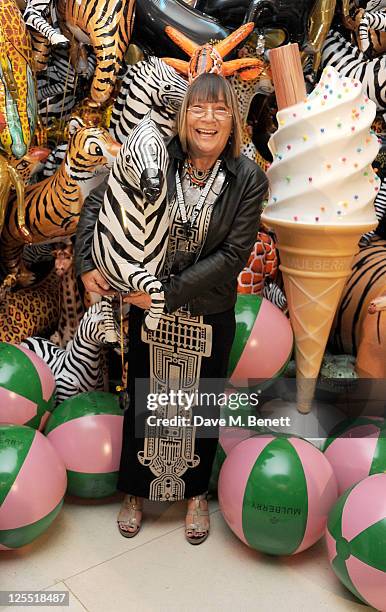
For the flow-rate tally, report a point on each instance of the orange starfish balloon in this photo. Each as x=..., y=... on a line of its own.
x=209, y=58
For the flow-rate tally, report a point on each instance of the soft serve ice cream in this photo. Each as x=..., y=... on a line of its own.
x=323, y=148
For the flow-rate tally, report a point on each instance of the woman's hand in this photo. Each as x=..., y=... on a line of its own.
x=139, y=299
x=94, y=281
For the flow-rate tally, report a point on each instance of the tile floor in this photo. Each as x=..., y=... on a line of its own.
x=157, y=571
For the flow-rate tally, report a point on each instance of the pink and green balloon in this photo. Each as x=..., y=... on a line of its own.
x=86, y=431
x=275, y=493
x=357, y=450
x=27, y=387
x=32, y=485
x=263, y=342
x=356, y=540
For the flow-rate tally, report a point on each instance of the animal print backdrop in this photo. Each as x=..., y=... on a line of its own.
x=84, y=102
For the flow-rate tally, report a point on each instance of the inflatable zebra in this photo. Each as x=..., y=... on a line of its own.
x=274, y=294
x=149, y=85
x=130, y=237
x=350, y=62
x=35, y=15
x=57, y=86
x=78, y=367
x=54, y=159
x=370, y=21
x=380, y=211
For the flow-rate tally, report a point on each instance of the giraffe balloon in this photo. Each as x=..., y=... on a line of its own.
x=18, y=103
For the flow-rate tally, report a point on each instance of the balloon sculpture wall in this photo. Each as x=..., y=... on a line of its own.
x=76, y=79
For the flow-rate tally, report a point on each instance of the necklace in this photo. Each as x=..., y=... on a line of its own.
x=204, y=194
x=197, y=178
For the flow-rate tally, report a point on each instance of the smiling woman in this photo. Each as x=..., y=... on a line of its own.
x=209, y=116
x=215, y=197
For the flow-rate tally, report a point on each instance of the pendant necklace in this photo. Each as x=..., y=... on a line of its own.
x=187, y=224
x=197, y=178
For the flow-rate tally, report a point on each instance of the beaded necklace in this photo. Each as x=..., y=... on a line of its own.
x=196, y=177
x=204, y=194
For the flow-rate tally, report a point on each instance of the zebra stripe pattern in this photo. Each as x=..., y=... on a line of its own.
x=350, y=62
x=37, y=253
x=370, y=21
x=130, y=237
x=149, y=85
x=375, y=5
x=35, y=15
x=57, y=86
x=54, y=159
x=380, y=211
x=274, y=294
x=78, y=367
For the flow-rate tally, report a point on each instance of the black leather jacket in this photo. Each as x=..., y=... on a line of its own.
x=209, y=285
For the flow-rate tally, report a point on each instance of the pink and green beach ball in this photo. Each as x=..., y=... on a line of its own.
x=356, y=450
x=27, y=387
x=356, y=540
x=86, y=431
x=263, y=342
x=228, y=438
x=275, y=493
x=32, y=485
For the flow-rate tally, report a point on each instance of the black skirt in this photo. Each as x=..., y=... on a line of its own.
x=136, y=478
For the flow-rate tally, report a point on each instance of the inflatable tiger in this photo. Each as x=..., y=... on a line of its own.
x=52, y=206
x=366, y=282
x=107, y=26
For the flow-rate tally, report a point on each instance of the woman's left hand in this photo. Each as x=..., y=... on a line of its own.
x=139, y=299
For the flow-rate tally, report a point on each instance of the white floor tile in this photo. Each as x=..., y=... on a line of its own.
x=74, y=603
x=83, y=535
x=158, y=571
x=222, y=574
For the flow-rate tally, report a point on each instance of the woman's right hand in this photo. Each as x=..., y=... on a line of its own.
x=94, y=282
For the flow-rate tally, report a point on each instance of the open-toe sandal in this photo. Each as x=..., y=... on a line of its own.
x=130, y=516
x=197, y=519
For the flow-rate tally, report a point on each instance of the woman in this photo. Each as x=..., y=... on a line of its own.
x=215, y=199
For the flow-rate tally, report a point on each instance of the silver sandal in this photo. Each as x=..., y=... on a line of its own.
x=197, y=530
x=128, y=518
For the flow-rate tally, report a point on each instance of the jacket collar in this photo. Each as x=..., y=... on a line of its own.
x=176, y=152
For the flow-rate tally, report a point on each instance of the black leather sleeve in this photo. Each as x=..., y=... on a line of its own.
x=85, y=230
x=228, y=260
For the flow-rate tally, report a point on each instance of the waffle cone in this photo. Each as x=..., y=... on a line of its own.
x=315, y=262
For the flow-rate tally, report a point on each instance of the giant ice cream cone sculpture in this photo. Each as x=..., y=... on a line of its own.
x=322, y=189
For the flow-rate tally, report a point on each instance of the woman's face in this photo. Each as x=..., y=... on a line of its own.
x=208, y=127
